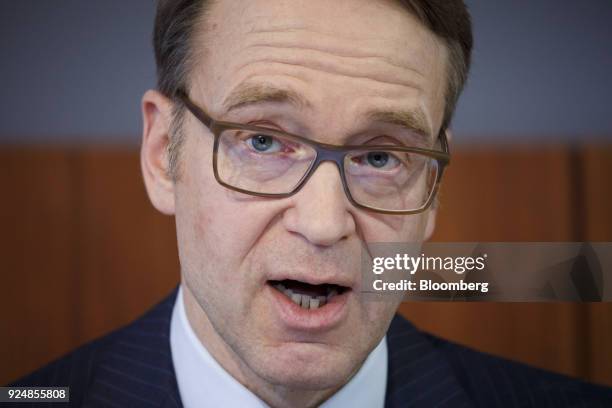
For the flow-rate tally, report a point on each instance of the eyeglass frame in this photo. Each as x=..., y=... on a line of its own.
x=324, y=152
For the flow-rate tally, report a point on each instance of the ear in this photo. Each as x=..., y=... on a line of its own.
x=156, y=118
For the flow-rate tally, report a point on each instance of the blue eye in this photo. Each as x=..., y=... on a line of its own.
x=378, y=159
x=264, y=143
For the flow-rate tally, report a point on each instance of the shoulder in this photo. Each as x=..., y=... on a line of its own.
x=494, y=381
x=144, y=340
x=73, y=370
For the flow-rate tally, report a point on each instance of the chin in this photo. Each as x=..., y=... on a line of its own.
x=307, y=366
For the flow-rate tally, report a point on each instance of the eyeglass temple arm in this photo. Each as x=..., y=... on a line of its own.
x=193, y=108
x=444, y=141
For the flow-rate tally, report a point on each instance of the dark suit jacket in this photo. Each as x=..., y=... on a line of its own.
x=132, y=367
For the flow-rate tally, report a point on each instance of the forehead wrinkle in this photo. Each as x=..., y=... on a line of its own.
x=358, y=42
x=349, y=61
x=341, y=54
x=267, y=61
x=323, y=41
x=330, y=51
x=310, y=24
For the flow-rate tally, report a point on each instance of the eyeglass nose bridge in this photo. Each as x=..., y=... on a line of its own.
x=328, y=154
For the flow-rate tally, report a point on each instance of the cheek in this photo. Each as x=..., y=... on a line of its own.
x=207, y=244
x=201, y=240
x=392, y=228
x=379, y=313
x=209, y=261
x=218, y=230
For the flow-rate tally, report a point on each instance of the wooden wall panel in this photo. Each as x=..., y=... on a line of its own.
x=127, y=250
x=83, y=251
x=596, y=163
x=518, y=193
x=597, y=219
x=598, y=352
x=36, y=252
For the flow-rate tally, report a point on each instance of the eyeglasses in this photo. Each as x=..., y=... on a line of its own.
x=264, y=162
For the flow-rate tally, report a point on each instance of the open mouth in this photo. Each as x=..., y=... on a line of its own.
x=306, y=295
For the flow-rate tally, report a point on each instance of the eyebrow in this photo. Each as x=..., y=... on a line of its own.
x=413, y=120
x=251, y=94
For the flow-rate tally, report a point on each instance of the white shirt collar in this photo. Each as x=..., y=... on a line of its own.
x=193, y=363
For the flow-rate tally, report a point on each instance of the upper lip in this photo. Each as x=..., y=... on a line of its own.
x=319, y=279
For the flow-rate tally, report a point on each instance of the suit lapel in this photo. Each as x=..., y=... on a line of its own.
x=418, y=374
x=137, y=370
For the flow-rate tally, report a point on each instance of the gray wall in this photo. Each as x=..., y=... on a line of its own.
x=74, y=70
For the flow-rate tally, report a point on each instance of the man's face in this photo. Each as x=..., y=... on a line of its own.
x=343, y=59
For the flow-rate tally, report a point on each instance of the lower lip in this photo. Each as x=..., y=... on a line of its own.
x=323, y=318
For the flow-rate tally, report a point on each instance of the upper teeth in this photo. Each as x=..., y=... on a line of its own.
x=306, y=301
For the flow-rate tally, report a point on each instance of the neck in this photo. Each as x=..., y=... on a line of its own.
x=275, y=395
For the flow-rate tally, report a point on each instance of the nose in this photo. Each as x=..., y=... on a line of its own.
x=320, y=210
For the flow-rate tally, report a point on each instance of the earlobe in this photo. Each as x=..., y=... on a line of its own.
x=156, y=117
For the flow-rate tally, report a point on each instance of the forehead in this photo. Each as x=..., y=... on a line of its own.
x=370, y=22
x=376, y=46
